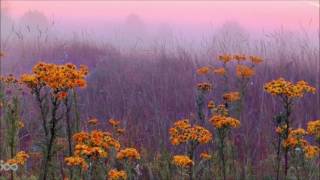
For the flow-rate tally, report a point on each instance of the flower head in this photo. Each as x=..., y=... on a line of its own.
x=231, y=96
x=220, y=71
x=281, y=87
x=114, y=174
x=182, y=161
x=20, y=158
x=239, y=57
x=203, y=70
x=128, y=153
x=244, y=71
x=255, y=59
x=224, y=122
x=182, y=132
x=225, y=58
x=76, y=161
x=311, y=151
x=204, y=87
x=295, y=139
x=313, y=128
x=59, y=78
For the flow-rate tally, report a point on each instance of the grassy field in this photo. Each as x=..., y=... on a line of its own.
x=232, y=109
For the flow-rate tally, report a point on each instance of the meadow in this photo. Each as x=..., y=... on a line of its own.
x=236, y=108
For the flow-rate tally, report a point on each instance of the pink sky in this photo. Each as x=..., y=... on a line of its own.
x=251, y=14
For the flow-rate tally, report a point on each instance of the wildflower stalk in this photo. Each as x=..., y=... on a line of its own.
x=221, y=138
x=43, y=110
x=287, y=106
x=12, y=118
x=2, y=101
x=278, y=156
x=319, y=162
x=192, y=147
x=225, y=78
x=76, y=110
x=52, y=136
x=200, y=106
x=69, y=130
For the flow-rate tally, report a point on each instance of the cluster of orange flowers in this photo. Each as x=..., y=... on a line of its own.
x=59, y=78
x=282, y=87
x=311, y=151
x=224, y=122
x=128, y=153
x=313, y=128
x=182, y=132
x=204, y=70
x=95, y=144
x=244, y=71
x=97, y=139
x=115, y=125
x=239, y=57
x=225, y=58
x=85, y=150
x=220, y=71
x=209, y=69
x=114, y=174
x=20, y=158
x=255, y=59
x=219, y=109
x=204, y=87
x=231, y=96
x=182, y=161
x=10, y=79
x=76, y=161
x=295, y=141
x=295, y=138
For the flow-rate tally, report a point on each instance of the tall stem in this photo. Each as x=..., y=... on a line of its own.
x=222, y=156
x=52, y=137
x=287, y=121
x=278, y=156
x=77, y=128
x=191, y=152
x=69, y=131
x=42, y=111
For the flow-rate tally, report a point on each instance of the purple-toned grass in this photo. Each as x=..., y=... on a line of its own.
x=149, y=90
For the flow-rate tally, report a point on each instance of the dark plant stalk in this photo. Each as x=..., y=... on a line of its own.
x=221, y=151
x=319, y=162
x=69, y=131
x=278, y=156
x=191, y=154
x=200, y=106
x=42, y=111
x=53, y=123
x=287, y=106
x=77, y=126
x=225, y=78
x=2, y=102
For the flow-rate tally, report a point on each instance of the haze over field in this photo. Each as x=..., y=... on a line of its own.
x=189, y=20
x=160, y=90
